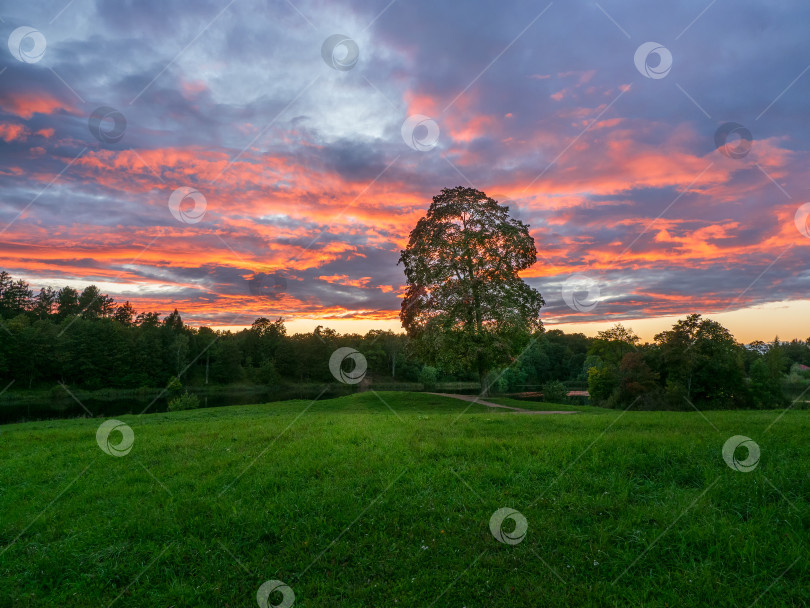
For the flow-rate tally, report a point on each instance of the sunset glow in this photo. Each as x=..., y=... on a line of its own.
x=310, y=189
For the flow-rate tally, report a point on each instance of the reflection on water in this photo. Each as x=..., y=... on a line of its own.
x=26, y=407
x=59, y=403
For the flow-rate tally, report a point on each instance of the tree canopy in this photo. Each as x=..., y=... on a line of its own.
x=466, y=304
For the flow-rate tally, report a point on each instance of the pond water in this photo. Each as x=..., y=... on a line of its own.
x=27, y=408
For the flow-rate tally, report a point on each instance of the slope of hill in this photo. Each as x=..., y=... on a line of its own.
x=395, y=499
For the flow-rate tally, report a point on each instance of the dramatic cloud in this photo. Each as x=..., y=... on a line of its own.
x=298, y=177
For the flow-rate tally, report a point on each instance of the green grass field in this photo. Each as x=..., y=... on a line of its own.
x=354, y=502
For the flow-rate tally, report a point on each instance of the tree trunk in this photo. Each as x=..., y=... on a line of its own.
x=482, y=379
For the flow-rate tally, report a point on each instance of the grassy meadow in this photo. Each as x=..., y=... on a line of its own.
x=385, y=500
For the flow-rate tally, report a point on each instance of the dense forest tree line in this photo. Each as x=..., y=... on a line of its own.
x=86, y=339
x=695, y=364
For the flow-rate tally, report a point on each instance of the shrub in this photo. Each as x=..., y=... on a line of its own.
x=765, y=389
x=496, y=381
x=266, y=374
x=635, y=378
x=174, y=387
x=555, y=392
x=602, y=382
x=512, y=379
x=428, y=376
x=184, y=402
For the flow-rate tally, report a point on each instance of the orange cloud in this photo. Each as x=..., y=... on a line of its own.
x=10, y=132
x=25, y=105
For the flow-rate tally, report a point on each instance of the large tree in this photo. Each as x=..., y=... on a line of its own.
x=466, y=307
x=703, y=363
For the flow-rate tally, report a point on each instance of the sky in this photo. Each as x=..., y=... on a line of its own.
x=237, y=159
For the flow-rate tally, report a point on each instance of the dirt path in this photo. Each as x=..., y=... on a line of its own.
x=517, y=410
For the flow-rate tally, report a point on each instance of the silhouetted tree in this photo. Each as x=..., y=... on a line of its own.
x=701, y=362
x=124, y=314
x=466, y=305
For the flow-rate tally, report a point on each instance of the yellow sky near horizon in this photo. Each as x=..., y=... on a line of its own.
x=788, y=320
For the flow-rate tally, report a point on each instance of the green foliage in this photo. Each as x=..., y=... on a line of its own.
x=592, y=361
x=266, y=373
x=466, y=306
x=511, y=379
x=636, y=379
x=174, y=387
x=602, y=382
x=613, y=344
x=186, y=401
x=703, y=364
x=87, y=342
x=428, y=376
x=766, y=387
x=555, y=392
x=554, y=355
